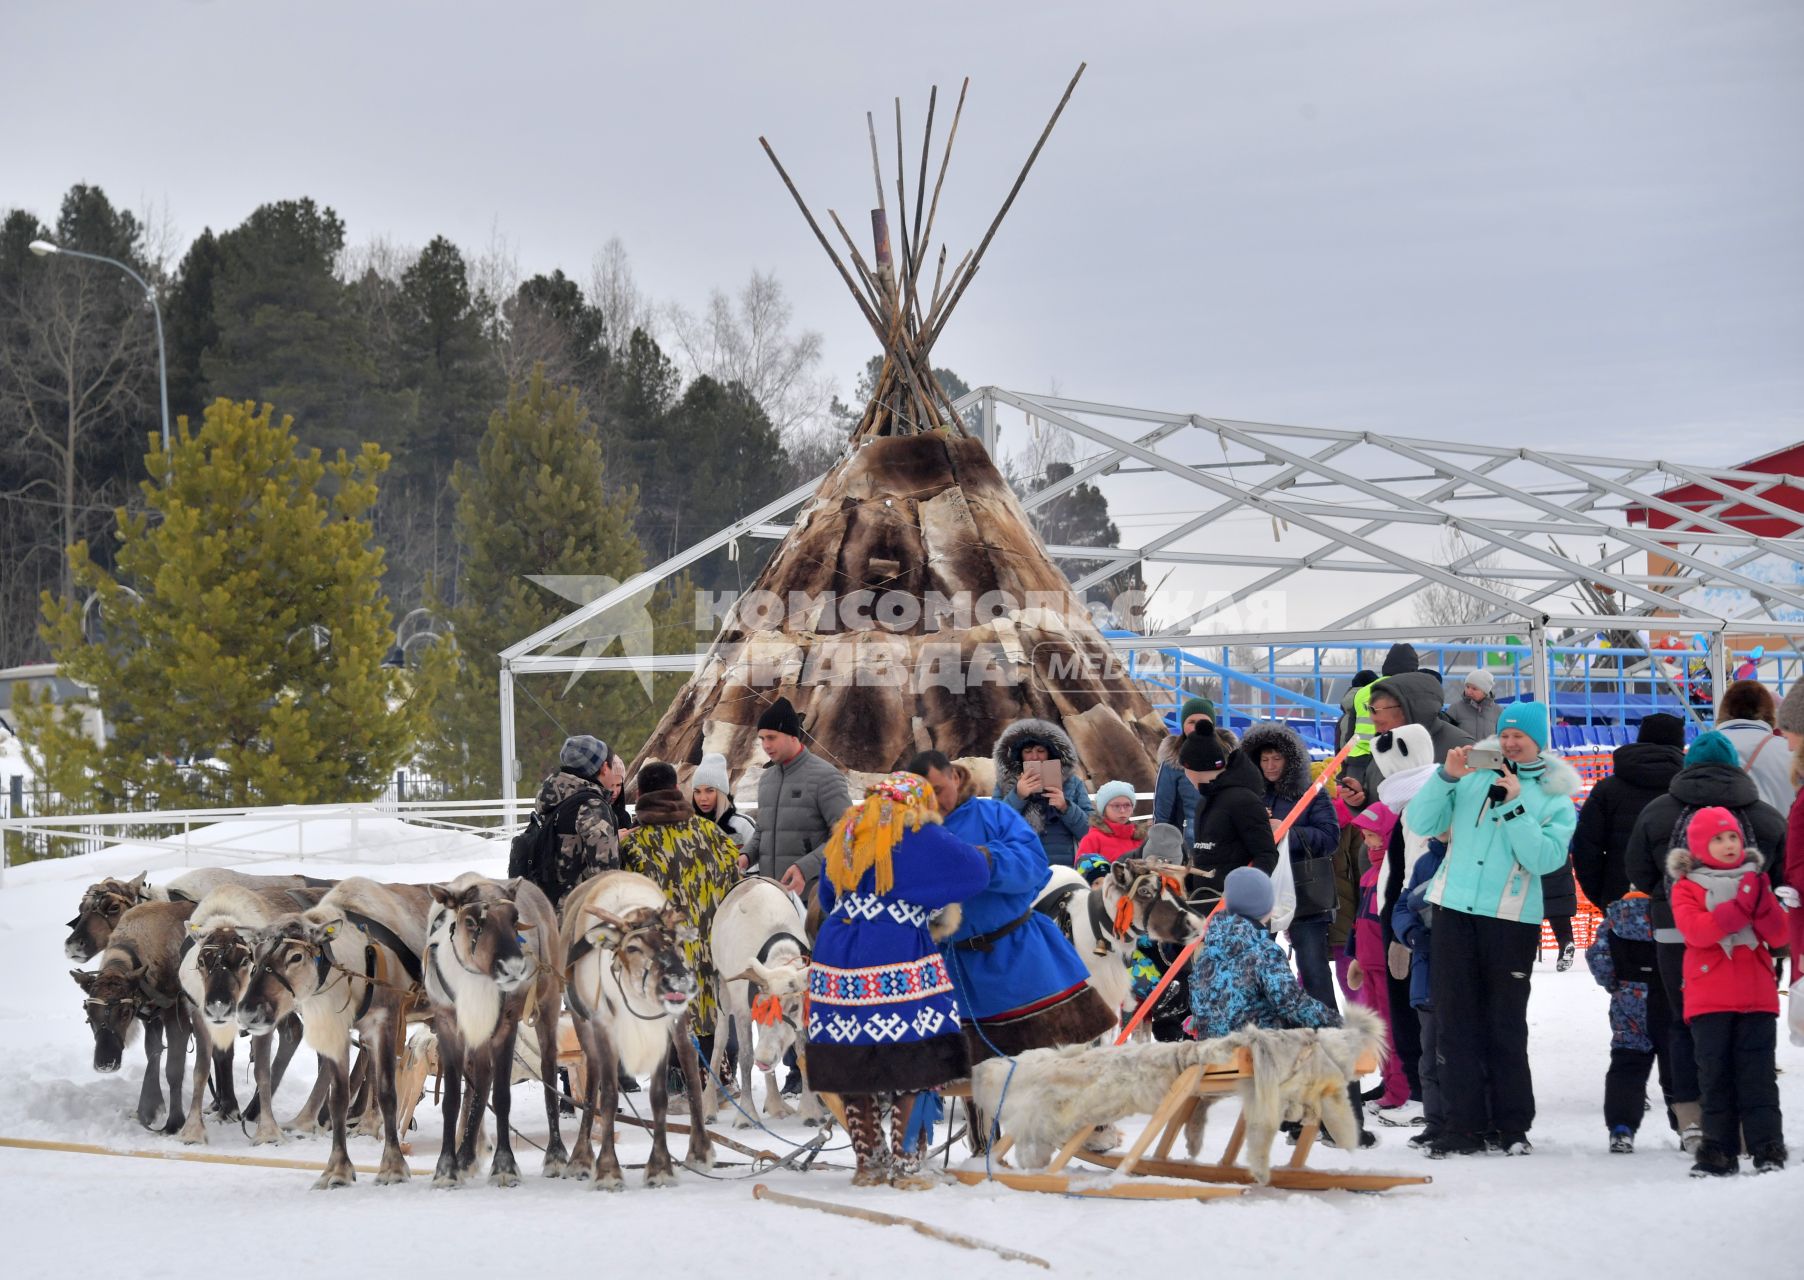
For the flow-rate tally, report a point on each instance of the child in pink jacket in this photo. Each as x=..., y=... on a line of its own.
x=1366, y=975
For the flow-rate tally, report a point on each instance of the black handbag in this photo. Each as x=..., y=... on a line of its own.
x=1313, y=878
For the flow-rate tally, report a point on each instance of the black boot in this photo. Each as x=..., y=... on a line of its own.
x=1768, y=1157
x=1715, y=1161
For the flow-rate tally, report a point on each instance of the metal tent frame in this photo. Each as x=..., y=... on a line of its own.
x=1512, y=506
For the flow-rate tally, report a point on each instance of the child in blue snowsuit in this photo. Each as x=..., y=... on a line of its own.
x=1239, y=975
x=1623, y=961
x=1412, y=922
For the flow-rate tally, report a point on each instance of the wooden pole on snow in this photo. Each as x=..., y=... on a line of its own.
x=762, y=1192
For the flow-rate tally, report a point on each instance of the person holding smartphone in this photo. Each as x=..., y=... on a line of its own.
x=1036, y=776
x=1511, y=824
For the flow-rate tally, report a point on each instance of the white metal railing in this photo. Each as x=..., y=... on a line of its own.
x=159, y=829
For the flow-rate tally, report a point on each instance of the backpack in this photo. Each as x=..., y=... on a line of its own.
x=533, y=855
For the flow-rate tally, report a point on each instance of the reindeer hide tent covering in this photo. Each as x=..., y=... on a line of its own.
x=913, y=520
x=912, y=606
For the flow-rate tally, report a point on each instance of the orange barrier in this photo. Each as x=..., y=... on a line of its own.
x=1593, y=768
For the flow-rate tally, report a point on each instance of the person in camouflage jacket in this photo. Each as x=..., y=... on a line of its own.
x=694, y=861
x=575, y=797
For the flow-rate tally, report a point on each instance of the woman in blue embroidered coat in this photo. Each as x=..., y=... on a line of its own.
x=883, y=1019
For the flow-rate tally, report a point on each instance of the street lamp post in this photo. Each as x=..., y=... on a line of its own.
x=44, y=249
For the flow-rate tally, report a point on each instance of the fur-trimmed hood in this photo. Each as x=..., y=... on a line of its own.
x=663, y=808
x=1557, y=779
x=1295, y=780
x=1681, y=863
x=1012, y=740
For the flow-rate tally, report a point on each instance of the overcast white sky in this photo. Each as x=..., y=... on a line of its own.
x=1574, y=223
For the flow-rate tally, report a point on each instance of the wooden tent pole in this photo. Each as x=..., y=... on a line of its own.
x=870, y=123
x=820, y=235
x=1013, y=191
x=920, y=245
x=945, y=159
x=911, y=313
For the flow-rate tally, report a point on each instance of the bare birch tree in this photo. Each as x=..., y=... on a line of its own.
x=748, y=340
x=71, y=380
x=1438, y=605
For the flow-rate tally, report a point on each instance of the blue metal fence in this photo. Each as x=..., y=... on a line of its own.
x=1595, y=705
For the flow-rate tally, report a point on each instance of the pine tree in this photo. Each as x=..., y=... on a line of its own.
x=447, y=362
x=246, y=621
x=286, y=332
x=537, y=504
x=188, y=315
x=1079, y=517
x=712, y=457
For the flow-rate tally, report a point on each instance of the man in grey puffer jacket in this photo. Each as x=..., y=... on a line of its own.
x=800, y=797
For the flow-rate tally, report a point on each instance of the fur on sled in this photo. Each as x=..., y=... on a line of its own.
x=1298, y=1076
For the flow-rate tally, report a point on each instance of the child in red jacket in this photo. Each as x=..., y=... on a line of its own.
x=1724, y=905
x=1112, y=831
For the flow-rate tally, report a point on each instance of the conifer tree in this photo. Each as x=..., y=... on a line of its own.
x=537, y=505
x=245, y=621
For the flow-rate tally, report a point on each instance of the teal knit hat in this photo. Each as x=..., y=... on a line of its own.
x=1712, y=747
x=1526, y=717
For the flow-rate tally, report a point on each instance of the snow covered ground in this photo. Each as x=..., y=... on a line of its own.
x=1571, y=1208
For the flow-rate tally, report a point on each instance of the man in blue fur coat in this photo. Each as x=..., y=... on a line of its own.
x=1016, y=975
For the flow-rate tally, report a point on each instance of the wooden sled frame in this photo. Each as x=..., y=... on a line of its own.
x=1180, y=1103
x=1150, y=1154
x=1056, y=1181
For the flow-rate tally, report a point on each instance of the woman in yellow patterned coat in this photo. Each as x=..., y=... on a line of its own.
x=693, y=861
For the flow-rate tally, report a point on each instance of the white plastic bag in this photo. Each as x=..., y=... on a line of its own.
x=1284, y=900
x=1794, y=1014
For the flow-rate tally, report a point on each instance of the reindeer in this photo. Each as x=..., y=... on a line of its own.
x=1106, y=920
x=106, y=900
x=349, y=964
x=490, y=960
x=97, y=915
x=215, y=969
x=758, y=938
x=136, y=982
x=628, y=989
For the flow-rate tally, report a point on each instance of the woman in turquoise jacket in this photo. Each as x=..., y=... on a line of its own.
x=1504, y=831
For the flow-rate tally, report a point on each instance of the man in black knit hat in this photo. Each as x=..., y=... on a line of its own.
x=800, y=797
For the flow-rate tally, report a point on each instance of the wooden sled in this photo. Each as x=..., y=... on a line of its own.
x=1150, y=1154
x=1167, y=1126
x=1054, y=1179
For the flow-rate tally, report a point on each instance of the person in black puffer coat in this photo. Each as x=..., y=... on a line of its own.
x=1712, y=776
x=1231, y=828
x=1641, y=771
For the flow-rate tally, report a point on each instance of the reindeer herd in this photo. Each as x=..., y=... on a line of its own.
x=217, y=955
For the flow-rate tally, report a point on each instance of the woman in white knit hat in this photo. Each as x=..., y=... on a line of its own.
x=712, y=795
x=1475, y=710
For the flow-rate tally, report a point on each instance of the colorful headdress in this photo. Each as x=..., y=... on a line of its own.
x=865, y=836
